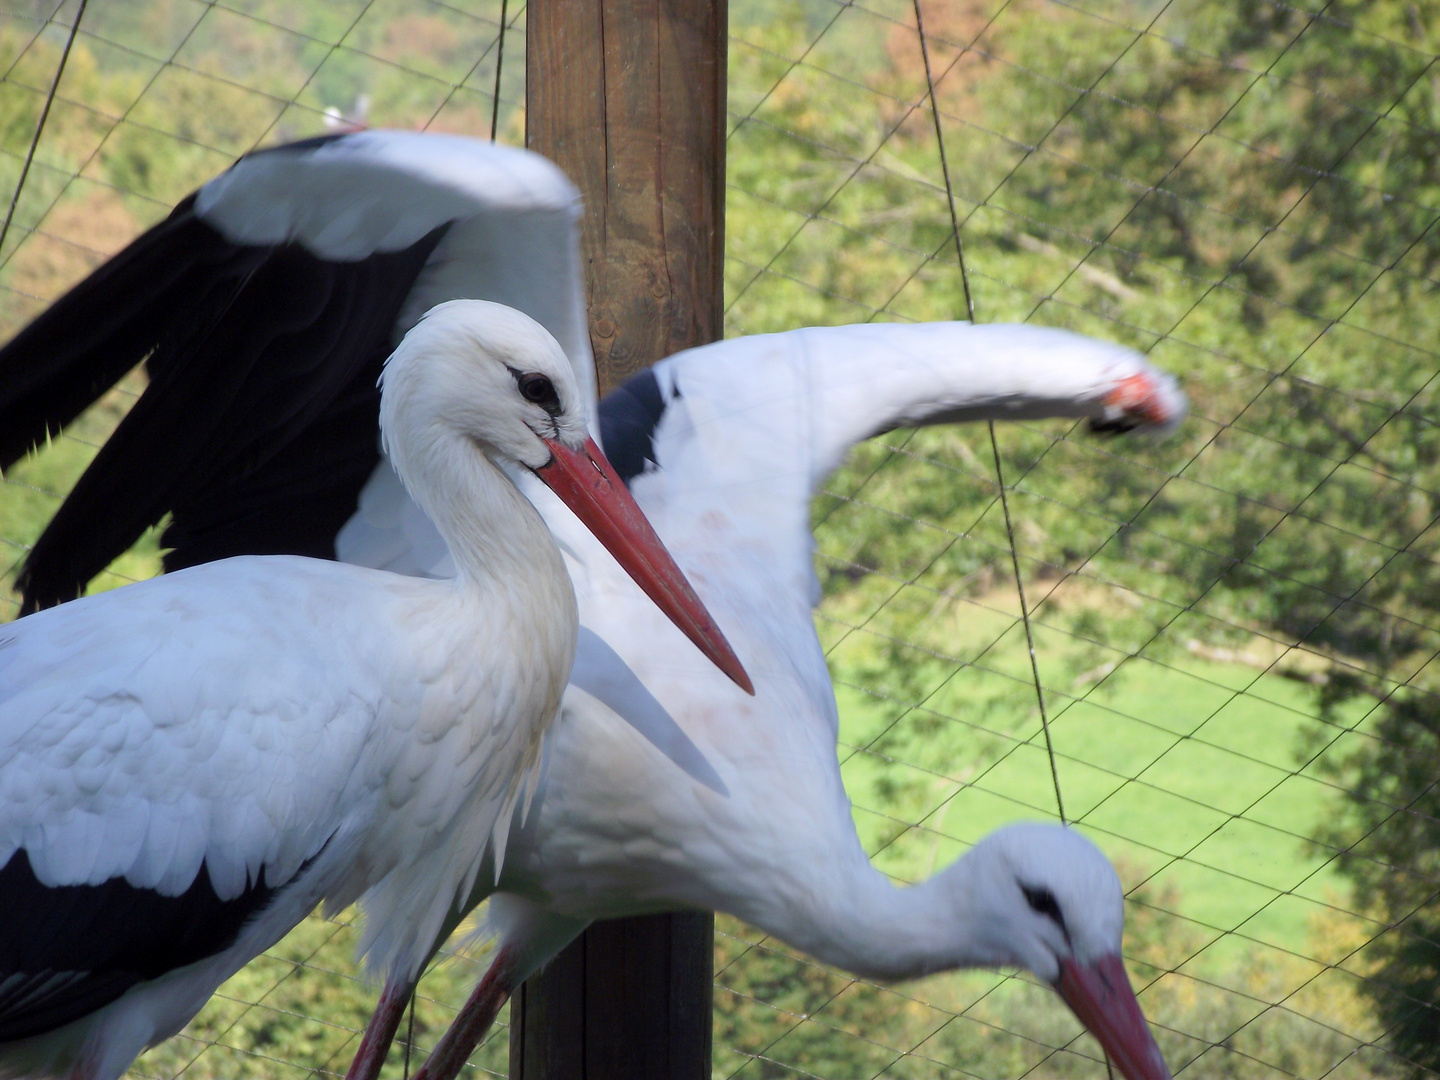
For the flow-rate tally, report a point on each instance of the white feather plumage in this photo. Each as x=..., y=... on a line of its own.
x=265, y=713
x=756, y=821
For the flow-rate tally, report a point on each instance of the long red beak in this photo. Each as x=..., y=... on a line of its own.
x=1099, y=994
x=590, y=487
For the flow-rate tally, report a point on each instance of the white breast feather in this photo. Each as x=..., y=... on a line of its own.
x=245, y=711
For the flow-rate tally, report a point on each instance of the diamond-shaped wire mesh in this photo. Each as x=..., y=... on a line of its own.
x=1235, y=629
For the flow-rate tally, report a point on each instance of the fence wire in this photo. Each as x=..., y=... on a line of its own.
x=1236, y=630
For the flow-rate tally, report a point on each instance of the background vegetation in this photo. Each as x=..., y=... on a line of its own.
x=1236, y=628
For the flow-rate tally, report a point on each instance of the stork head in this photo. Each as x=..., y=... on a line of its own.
x=488, y=373
x=1049, y=900
x=477, y=374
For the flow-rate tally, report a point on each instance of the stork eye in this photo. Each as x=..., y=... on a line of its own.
x=539, y=390
x=1042, y=901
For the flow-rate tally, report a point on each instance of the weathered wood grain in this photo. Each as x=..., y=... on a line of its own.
x=628, y=96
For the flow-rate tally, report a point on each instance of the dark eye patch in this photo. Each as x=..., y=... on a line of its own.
x=538, y=390
x=1042, y=901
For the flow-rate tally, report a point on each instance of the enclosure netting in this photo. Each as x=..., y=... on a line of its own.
x=1235, y=628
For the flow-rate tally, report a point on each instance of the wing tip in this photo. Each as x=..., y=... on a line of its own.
x=1149, y=400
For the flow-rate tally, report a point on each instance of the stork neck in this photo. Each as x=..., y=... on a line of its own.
x=493, y=532
x=862, y=922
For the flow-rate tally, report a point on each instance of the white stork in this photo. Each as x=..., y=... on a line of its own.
x=190, y=764
x=741, y=432
x=723, y=447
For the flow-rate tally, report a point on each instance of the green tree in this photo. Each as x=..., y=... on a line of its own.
x=1391, y=850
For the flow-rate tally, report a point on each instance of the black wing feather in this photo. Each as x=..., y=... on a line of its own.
x=297, y=501
x=81, y=346
x=68, y=950
x=252, y=353
x=629, y=415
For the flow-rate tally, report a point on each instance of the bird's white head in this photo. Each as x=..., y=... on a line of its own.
x=487, y=373
x=1047, y=894
x=1047, y=899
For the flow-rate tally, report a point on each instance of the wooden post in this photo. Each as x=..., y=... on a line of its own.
x=628, y=97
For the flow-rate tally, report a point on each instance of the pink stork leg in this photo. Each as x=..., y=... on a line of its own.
x=473, y=1020
x=380, y=1031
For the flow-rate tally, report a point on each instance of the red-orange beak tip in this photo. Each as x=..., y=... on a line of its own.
x=588, y=484
x=1099, y=994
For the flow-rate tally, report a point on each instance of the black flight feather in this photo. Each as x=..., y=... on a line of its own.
x=80, y=347
x=68, y=950
x=629, y=415
x=252, y=347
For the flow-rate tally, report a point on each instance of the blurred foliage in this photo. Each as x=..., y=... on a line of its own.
x=1185, y=181
x=1395, y=862
x=1245, y=190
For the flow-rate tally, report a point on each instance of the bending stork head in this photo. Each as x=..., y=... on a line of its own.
x=1047, y=899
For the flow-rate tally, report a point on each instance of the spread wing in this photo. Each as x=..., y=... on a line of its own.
x=749, y=428
x=265, y=306
x=724, y=445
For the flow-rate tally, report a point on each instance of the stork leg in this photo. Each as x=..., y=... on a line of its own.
x=530, y=937
x=473, y=1020
x=380, y=1031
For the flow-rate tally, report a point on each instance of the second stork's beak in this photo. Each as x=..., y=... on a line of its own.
x=587, y=484
x=1099, y=994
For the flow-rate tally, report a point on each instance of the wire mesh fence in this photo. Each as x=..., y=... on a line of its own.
x=1235, y=629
